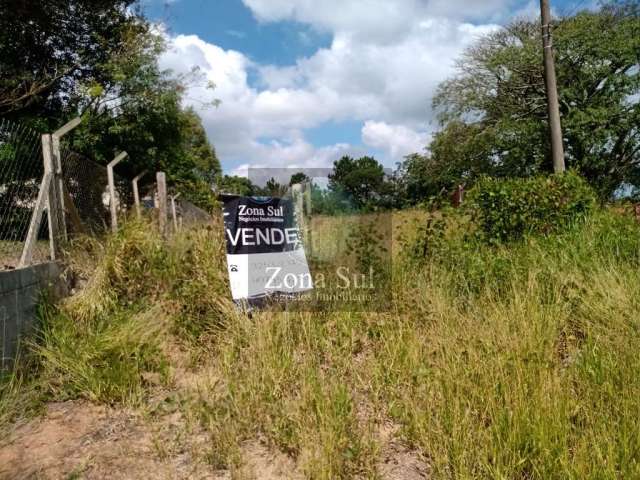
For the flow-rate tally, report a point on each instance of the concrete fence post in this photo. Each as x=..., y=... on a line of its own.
x=307, y=213
x=297, y=190
x=58, y=186
x=53, y=204
x=162, y=202
x=136, y=193
x=58, y=183
x=112, y=190
x=36, y=217
x=173, y=211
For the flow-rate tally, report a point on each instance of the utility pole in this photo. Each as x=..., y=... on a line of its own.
x=557, y=150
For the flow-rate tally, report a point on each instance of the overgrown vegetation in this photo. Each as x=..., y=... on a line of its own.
x=143, y=294
x=508, y=360
x=519, y=350
x=508, y=209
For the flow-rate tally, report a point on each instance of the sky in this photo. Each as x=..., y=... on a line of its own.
x=303, y=82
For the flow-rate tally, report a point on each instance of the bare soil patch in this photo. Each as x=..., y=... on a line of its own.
x=397, y=461
x=80, y=440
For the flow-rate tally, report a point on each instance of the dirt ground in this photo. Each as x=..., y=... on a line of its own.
x=75, y=439
x=80, y=440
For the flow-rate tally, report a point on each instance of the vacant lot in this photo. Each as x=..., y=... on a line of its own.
x=512, y=361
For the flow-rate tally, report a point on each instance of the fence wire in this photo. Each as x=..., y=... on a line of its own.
x=189, y=214
x=83, y=207
x=21, y=171
x=85, y=182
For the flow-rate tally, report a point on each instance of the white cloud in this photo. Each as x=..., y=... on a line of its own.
x=372, y=20
x=397, y=140
x=382, y=69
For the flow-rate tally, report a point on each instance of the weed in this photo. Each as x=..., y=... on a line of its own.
x=514, y=360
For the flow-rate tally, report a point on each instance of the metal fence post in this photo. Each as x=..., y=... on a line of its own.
x=136, y=194
x=112, y=190
x=162, y=202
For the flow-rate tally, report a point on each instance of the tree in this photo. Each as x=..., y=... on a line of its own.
x=236, y=185
x=99, y=59
x=50, y=48
x=195, y=143
x=299, y=177
x=329, y=202
x=493, y=112
x=415, y=179
x=362, y=180
x=273, y=189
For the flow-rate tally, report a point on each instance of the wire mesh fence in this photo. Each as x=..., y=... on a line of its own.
x=71, y=196
x=21, y=171
x=86, y=194
x=189, y=214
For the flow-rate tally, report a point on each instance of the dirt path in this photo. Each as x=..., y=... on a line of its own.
x=78, y=440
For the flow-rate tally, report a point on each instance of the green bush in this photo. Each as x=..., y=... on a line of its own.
x=509, y=209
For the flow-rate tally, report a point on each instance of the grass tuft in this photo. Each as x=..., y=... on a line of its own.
x=512, y=361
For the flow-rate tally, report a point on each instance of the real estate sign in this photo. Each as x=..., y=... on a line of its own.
x=265, y=254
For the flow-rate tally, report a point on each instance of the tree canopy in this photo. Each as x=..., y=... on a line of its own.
x=362, y=180
x=51, y=49
x=493, y=111
x=99, y=59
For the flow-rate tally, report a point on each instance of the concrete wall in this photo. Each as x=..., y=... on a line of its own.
x=20, y=292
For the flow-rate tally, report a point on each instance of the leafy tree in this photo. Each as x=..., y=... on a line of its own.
x=233, y=184
x=273, y=189
x=99, y=59
x=202, y=154
x=299, y=177
x=329, y=202
x=494, y=116
x=415, y=179
x=51, y=49
x=362, y=180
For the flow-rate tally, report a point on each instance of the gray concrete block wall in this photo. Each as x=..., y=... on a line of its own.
x=20, y=292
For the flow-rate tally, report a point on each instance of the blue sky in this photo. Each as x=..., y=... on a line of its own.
x=231, y=25
x=303, y=82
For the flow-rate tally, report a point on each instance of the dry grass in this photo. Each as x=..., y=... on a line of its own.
x=494, y=362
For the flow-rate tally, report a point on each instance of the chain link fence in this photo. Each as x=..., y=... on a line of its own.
x=78, y=188
x=21, y=172
x=86, y=194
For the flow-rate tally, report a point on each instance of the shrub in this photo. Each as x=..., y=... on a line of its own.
x=509, y=209
x=110, y=340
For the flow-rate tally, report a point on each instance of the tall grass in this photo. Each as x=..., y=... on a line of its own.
x=512, y=361
x=143, y=295
x=517, y=361
x=521, y=363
